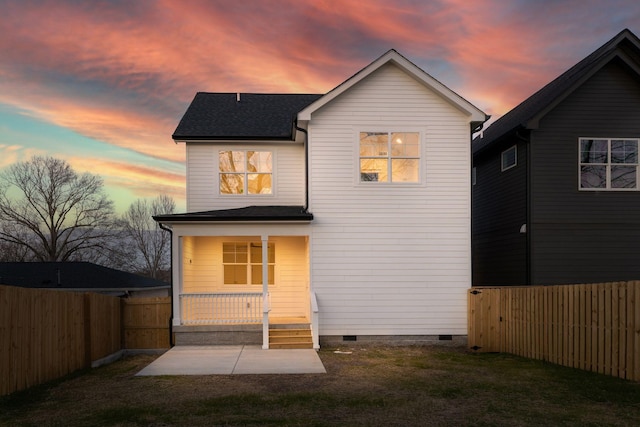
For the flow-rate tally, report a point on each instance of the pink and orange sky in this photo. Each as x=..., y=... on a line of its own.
x=103, y=84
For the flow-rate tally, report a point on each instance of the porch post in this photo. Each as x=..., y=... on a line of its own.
x=176, y=272
x=265, y=292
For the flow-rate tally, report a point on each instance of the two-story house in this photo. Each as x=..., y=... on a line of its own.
x=556, y=195
x=348, y=212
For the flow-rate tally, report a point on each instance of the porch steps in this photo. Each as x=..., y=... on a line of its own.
x=290, y=336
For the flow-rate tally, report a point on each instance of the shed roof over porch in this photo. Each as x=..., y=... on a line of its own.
x=249, y=213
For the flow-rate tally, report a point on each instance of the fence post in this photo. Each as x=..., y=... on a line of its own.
x=87, y=330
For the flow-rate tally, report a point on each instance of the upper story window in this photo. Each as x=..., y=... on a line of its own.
x=389, y=157
x=245, y=172
x=608, y=164
x=509, y=158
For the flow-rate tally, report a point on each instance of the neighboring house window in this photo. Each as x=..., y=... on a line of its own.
x=245, y=172
x=509, y=158
x=389, y=157
x=608, y=164
x=242, y=263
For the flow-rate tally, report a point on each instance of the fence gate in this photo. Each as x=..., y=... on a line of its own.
x=484, y=319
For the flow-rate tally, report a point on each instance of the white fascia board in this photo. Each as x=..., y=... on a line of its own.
x=392, y=56
x=276, y=141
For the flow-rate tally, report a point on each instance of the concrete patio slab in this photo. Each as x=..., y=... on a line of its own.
x=228, y=360
x=255, y=360
x=195, y=360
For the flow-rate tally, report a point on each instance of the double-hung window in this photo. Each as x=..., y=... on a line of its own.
x=509, y=158
x=608, y=164
x=245, y=172
x=242, y=263
x=390, y=157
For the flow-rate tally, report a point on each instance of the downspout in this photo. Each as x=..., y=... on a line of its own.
x=527, y=141
x=306, y=165
x=478, y=127
x=171, y=344
x=314, y=304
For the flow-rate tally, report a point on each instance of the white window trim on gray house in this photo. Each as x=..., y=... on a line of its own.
x=608, y=164
x=508, y=160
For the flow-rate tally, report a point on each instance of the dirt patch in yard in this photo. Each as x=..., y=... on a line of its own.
x=363, y=386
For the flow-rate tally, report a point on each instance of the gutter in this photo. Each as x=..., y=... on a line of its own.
x=162, y=226
x=306, y=165
x=479, y=125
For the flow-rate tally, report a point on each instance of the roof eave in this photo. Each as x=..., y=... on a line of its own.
x=497, y=140
x=258, y=138
x=222, y=221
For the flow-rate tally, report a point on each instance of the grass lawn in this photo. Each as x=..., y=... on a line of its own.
x=372, y=386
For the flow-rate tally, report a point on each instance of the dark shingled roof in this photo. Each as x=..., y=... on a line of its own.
x=73, y=275
x=519, y=116
x=213, y=116
x=250, y=213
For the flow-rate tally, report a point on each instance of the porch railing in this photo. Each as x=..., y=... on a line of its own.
x=221, y=308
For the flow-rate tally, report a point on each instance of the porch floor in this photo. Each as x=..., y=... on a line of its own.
x=233, y=359
x=287, y=320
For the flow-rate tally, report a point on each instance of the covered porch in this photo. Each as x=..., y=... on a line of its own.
x=239, y=283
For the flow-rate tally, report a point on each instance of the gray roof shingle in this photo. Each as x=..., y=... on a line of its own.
x=73, y=275
x=216, y=116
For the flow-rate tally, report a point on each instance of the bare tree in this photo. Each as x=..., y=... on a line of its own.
x=52, y=212
x=12, y=252
x=150, y=244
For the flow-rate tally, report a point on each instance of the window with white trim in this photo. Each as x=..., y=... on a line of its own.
x=242, y=263
x=389, y=157
x=244, y=172
x=509, y=158
x=608, y=164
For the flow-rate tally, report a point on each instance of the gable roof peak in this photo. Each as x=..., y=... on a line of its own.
x=395, y=57
x=528, y=112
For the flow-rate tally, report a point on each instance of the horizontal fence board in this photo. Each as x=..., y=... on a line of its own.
x=594, y=327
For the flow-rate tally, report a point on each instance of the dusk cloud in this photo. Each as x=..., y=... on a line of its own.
x=123, y=72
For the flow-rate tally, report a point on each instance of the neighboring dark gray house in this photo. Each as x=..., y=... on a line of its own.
x=556, y=198
x=80, y=277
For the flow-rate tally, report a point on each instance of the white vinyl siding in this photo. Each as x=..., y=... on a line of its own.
x=390, y=260
x=203, y=177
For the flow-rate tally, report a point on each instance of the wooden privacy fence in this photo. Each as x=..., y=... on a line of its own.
x=592, y=327
x=46, y=334
x=145, y=323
